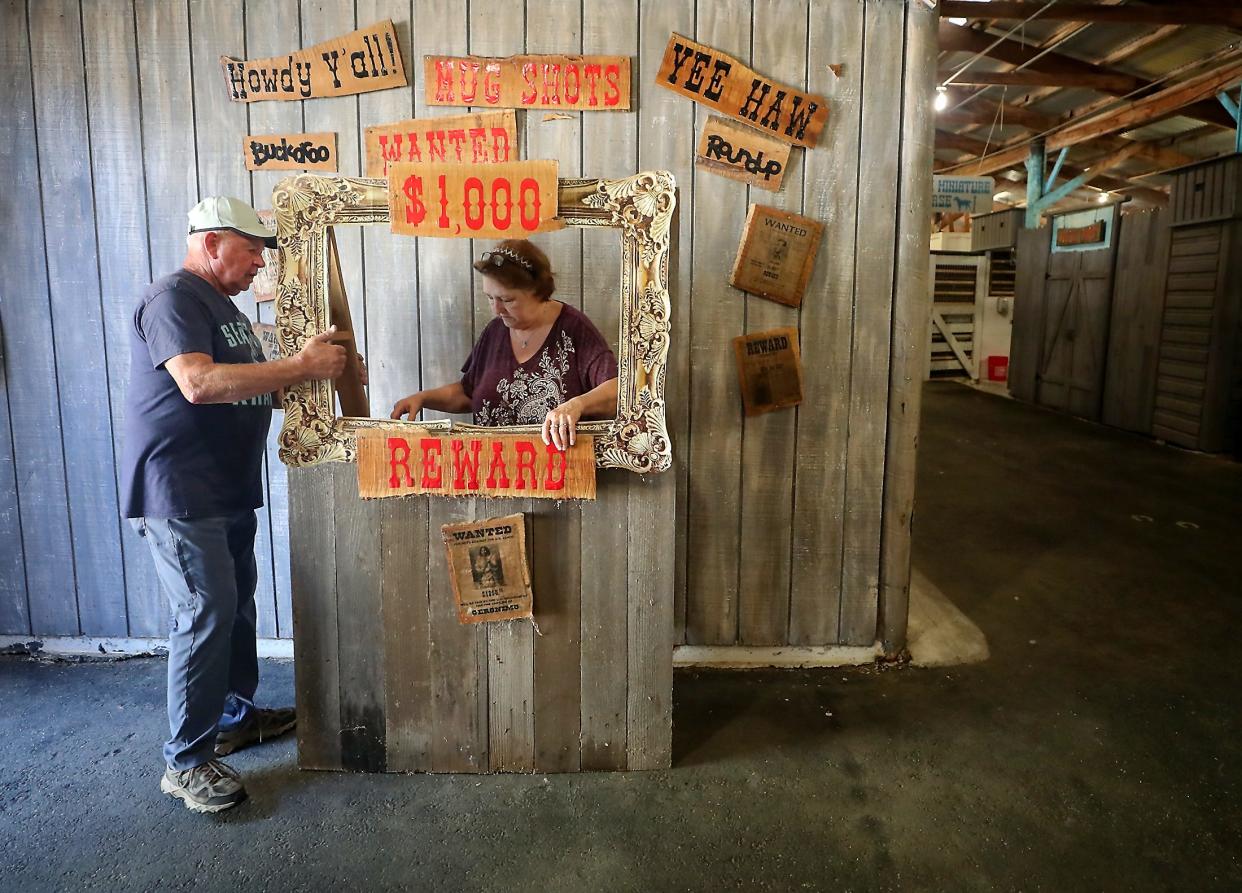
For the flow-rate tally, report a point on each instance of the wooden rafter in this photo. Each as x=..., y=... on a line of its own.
x=1117, y=84
x=1014, y=52
x=1226, y=15
x=1170, y=101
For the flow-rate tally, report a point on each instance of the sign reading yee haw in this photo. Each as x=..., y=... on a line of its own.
x=491, y=201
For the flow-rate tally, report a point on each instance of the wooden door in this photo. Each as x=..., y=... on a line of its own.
x=1077, y=296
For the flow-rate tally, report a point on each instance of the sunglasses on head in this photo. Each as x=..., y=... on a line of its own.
x=500, y=256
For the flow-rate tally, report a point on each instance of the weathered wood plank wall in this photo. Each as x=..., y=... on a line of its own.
x=786, y=525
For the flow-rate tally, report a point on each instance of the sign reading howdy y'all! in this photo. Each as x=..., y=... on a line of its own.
x=402, y=462
x=359, y=62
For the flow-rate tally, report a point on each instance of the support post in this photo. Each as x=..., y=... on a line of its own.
x=1233, y=109
x=1034, y=183
x=1056, y=169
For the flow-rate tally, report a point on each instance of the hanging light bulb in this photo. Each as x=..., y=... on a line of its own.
x=1102, y=198
x=941, y=101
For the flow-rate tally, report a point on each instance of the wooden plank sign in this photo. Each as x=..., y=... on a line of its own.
x=769, y=370
x=290, y=152
x=359, y=62
x=487, y=561
x=395, y=461
x=723, y=83
x=267, y=280
x=1091, y=234
x=742, y=153
x=567, y=83
x=266, y=333
x=486, y=138
x=776, y=255
x=491, y=201
x=962, y=195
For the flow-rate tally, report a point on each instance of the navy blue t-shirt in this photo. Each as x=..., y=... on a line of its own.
x=182, y=460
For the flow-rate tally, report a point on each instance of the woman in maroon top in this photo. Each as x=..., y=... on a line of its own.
x=539, y=362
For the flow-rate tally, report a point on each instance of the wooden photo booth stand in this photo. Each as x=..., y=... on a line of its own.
x=387, y=677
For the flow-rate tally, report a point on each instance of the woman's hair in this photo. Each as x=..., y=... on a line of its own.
x=516, y=263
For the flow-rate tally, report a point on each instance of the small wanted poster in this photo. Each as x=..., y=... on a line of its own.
x=769, y=370
x=776, y=255
x=487, y=561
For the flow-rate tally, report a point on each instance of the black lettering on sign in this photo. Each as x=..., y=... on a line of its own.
x=720, y=149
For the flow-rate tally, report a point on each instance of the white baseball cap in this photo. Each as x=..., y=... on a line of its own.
x=226, y=212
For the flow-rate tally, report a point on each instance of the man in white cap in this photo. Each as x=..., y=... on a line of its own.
x=197, y=414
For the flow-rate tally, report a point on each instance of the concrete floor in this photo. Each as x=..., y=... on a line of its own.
x=1098, y=748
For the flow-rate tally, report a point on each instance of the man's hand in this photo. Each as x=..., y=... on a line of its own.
x=320, y=358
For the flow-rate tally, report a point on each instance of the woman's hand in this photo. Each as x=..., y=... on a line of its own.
x=560, y=425
x=409, y=406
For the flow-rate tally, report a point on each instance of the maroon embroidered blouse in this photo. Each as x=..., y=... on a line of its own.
x=573, y=360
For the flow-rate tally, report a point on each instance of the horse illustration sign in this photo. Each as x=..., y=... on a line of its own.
x=962, y=195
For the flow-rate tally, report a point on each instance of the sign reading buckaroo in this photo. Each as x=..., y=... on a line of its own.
x=359, y=62
x=486, y=138
x=487, y=561
x=742, y=153
x=403, y=462
x=723, y=83
x=491, y=201
x=769, y=370
x=290, y=152
x=577, y=83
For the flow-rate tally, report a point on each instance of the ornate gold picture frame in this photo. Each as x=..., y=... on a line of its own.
x=641, y=207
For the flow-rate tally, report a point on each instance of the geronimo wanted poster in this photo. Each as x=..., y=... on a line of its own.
x=769, y=370
x=487, y=560
x=776, y=255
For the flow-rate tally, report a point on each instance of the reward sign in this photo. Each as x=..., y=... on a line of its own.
x=401, y=462
x=491, y=579
x=721, y=82
x=290, y=152
x=494, y=201
x=776, y=255
x=573, y=83
x=365, y=60
x=769, y=370
x=462, y=139
x=742, y=153
x=962, y=195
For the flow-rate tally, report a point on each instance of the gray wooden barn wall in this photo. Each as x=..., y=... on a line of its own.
x=118, y=122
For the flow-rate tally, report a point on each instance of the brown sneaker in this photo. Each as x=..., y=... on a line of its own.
x=263, y=725
x=211, y=787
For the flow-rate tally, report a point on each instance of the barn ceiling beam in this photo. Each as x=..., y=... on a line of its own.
x=1014, y=52
x=1227, y=15
x=1170, y=101
x=1117, y=84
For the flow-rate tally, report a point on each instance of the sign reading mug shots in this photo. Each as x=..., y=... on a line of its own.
x=486, y=201
x=776, y=255
x=962, y=195
x=566, y=83
x=742, y=153
x=403, y=461
x=721, y=82
x=359, y=62
x=290, y=152
x=487, y=561
x=769, y=370
x=486, y=138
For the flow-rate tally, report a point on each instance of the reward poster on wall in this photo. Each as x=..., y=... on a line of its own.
x=487, y=561
x=359, y=62
x=769, y=370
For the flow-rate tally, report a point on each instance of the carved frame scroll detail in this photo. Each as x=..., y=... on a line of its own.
x=640, y=206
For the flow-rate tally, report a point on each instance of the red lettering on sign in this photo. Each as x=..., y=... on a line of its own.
x=432, y=450
x=558, y=483
x=469, y=89
x=491, y=83
x=444, y=80
x=612, y=74
x=525, y=462
x=592, y=76
x=551, y=78
x=529, y=75
x=399, y=457
x=497, y=464
x=466, y=465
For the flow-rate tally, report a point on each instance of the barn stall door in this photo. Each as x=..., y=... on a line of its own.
x=1077, y=297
